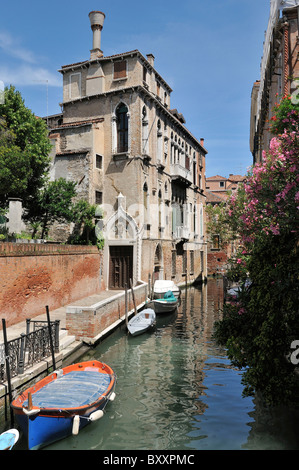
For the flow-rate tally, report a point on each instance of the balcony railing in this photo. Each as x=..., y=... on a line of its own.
x=181, y=233
x=178, y=171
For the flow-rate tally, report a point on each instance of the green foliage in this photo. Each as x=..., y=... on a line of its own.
x=15, y=171
x=218, y=223
x=259, y=327
x=24, y=150
x=285, y=117
x=83, y=216
x=52, y=204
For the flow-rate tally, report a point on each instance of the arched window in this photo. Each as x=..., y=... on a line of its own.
x=145, y=142
x=160, y=207
x=159, y=142
x=145, y=196
x=122, y=128
x=146, y=204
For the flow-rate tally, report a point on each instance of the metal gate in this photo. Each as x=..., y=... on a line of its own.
x=120, y=266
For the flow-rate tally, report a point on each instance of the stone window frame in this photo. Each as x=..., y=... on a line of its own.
x=98, y=197
x=99, y=161
x=115, y=151
x=70, y=85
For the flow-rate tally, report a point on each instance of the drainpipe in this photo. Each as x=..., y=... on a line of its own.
x=286, y=58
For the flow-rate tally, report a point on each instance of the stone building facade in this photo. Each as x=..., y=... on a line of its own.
x=279, y=72
x=132, y=155
x=218, y=189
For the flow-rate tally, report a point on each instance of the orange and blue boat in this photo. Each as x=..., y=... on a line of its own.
x=64, y=402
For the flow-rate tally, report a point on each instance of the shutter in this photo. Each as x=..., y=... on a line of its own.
x=120, y=69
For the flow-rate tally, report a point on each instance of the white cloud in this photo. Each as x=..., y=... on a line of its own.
x=11, y=46
x=27, y=75
x=26, y=71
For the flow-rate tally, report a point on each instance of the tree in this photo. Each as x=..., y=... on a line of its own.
x=24, y=150
x=218, y=223
x=52, y=204
x=83, y=216
x=260, y=326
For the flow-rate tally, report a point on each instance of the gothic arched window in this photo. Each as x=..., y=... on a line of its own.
x=122, y=128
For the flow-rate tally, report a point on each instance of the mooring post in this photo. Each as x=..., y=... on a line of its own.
x=51, y=339
x=153, y=281
x=7, y=369
x=22, y=354
x=149, y=285
x=133, y=296
x=126, y=304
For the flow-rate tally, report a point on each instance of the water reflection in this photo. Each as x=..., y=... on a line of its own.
x=176, y=389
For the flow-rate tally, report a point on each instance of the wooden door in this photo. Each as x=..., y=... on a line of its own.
x=120, y=266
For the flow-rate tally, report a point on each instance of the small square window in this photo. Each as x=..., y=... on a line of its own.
x=99, y=197
x=99, y=161
x=221, y=184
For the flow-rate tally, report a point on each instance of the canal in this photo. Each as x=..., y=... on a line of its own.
x=176, y=389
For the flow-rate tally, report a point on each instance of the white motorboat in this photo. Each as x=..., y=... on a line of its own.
x=163, y=286
x=142, y=322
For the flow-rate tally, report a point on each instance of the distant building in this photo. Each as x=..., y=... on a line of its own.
x=218, y=189
x=279, y=68
x=132, y=155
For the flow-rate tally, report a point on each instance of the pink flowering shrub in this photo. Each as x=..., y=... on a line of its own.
x=269, y=201
x=258, y=328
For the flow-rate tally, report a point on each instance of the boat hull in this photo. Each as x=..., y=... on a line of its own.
x=43, y=430
x=47, y=424
x=8, y=439
x=163, y=306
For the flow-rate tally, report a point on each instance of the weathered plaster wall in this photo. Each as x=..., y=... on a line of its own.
x=33, y=276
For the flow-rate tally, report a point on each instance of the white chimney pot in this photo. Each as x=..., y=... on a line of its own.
x=96, y=18
x=96, y=22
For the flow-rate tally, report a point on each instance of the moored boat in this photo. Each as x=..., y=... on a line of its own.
x=142, y=322
x=163, y=286
x=64, y=402
x=8, y=439
x=168, y=303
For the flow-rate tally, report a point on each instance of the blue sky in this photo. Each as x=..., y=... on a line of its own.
x=208, y=51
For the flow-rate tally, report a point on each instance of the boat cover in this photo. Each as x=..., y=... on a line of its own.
x=169, y=296
x=75, y=389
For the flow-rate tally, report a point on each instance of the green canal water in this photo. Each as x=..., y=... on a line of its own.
x=176, y=390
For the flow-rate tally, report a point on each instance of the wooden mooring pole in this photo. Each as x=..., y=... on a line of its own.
x=133, y=296
x=51, y=339
x=7, y=369
x=126, y=304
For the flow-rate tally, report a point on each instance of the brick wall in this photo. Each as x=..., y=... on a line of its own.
x=217, y=262
x=89, y=322
x=35, y=275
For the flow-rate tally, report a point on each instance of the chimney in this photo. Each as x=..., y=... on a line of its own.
x=202, y=141
x=96, y=22
x=151, y=59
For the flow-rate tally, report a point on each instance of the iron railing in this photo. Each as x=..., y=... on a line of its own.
x=29, y=349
